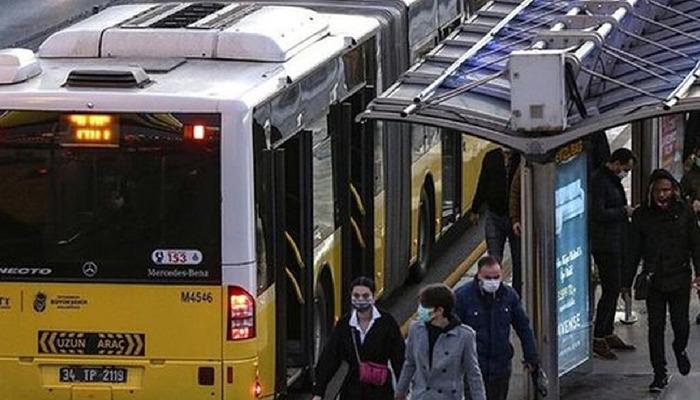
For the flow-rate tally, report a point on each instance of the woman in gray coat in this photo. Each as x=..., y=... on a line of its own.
x=438, y=373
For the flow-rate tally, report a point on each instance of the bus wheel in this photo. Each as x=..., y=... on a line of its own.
x=425, y=240
x=322, y=318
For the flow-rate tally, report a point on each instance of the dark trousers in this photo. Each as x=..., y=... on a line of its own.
x=496, y=388
x=610, y=271
x=498, y=229
x=678, y=304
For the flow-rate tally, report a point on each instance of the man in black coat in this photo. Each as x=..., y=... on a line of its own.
x=609, y=219
x=665, y=236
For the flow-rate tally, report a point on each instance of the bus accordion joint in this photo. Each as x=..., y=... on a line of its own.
x=241, y=314
x=295, y=249
x=295, y=284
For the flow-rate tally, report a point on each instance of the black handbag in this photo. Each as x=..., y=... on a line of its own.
x=641, y=285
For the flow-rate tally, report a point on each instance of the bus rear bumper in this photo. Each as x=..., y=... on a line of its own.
x=39, y=379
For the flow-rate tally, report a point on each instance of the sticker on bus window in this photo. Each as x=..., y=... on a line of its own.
x=176, y=257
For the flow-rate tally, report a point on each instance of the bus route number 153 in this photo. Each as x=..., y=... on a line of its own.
x=176, y=257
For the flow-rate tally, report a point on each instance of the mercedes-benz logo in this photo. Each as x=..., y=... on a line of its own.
x=89, y=269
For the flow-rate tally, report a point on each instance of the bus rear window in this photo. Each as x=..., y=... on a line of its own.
x=110, y=197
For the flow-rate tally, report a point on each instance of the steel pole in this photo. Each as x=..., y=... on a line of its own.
x=538, y=207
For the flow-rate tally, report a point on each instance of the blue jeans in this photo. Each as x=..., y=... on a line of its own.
x=499, y=229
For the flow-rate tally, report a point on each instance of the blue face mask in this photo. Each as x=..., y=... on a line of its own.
x=423, y=314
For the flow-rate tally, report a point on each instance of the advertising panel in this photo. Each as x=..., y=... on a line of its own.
x=671, y=132
x=572, y=262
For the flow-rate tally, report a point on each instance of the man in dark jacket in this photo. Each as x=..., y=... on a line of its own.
x=609, y=219
x=491, y=197
x=490, y=307
x=665, y=236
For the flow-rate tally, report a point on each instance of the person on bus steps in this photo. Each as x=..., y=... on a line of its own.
x=365, y=335
x=498, y=169
x=665, y=235
x=440, y=352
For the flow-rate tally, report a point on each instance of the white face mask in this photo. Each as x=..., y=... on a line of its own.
x=490, y=285
x=623, y=174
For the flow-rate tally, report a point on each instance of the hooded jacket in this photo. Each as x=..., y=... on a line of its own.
x=664, y=239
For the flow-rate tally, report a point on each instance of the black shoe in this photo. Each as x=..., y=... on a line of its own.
x=659, y=384
x=602, y=349
x=683, y=363
x=615, y=343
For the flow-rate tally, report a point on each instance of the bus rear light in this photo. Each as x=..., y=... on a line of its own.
x=241, y=314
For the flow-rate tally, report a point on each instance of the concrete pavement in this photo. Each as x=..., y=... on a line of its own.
x=628, y=377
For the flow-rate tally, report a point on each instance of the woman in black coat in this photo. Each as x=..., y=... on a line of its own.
x=377, y=339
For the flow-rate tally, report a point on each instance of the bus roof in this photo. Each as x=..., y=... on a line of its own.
x=252, y=54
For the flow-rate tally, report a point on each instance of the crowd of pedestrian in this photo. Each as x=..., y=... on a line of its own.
x=662, y=235
x=459, y=344
x=457, y=347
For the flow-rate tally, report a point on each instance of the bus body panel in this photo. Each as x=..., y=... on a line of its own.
x=147, y=380
x=161, y=335
x=170, y=322
x=328, y=256
x=266, y=317
x=379, y=241
x=427, y=164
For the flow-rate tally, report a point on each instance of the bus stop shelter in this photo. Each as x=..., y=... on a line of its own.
x=543, y=77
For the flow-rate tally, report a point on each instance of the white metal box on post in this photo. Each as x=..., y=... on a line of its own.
x=538, y=91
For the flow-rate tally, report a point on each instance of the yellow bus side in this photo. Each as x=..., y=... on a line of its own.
x=379, y=241
x=430, y=164
x=329, y=255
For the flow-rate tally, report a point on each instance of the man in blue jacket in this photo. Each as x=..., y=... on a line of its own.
x=490, y=308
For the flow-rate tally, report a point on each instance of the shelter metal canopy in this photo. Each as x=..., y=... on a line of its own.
x=538, y=74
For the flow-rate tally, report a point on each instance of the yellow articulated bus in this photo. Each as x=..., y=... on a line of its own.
x=186, y=195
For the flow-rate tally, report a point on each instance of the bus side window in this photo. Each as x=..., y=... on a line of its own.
x=323, y=190
x=263, y=215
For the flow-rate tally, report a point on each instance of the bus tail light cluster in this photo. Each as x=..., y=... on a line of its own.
x=241, y=314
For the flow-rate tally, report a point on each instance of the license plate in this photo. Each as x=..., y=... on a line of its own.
x=92, y=374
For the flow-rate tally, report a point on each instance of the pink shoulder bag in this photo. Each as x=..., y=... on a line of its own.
x=370, y=373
